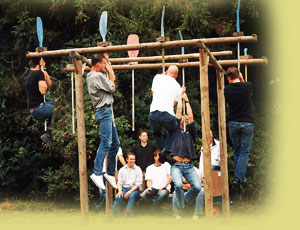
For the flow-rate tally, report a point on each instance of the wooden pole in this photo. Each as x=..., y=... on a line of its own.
x=163, y=60
x=84, y=205
x=223, y=144
x=263, y=60
x=150, y=45
x=109, y=195
x=167, y=57
x=205, y=119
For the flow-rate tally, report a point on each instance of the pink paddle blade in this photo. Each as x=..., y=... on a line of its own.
x=133, y=39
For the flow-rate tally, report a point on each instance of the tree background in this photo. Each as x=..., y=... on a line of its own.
x=29, y=170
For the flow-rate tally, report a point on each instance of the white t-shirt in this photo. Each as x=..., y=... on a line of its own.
x=166, y=90
x=120, y=152
x=215, y=156
x=158, y=175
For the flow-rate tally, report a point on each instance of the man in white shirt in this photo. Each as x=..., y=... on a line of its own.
x=215, y=154
x=158, y=179
x=129, y=181
x=166, y=92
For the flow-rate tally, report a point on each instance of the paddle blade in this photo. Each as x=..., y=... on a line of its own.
x=162, y=31
x=103, y=25
x=133, y=39
x=39, y=30
x=238, y=17
x=181, y=38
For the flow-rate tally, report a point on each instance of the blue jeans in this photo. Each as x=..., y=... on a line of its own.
x=43, y=112
x=241, y=134
x=200, y=199
x=188, y=172
x=162, y=195
x=102, y=197
x=131, y=200
x=198, y=205
x=159, y=120
x=109, y=142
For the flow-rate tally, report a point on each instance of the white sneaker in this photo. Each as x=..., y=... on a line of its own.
x=98, y=180
x=195, y=217
x=111, y=180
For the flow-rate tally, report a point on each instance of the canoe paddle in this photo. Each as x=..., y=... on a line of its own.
x=103, y=25
x=238, y=30
x=162, y=34
x=133, y=39
x=103, y=31
x=40, y=34
x=183, y=82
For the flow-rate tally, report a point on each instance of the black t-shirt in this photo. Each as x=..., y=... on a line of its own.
x=34, y=97
x=238, y=97
x=183, y=144
x=144, y=155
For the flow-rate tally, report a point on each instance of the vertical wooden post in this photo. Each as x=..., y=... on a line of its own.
x=223, y=144
x=205, y=118
x=109, y=195
x=84, y=205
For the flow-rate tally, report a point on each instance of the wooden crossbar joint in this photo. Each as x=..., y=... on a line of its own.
x=104, y=44
x=76, y=55
x=237, y=34
x=246, y=57
x=184, y=60
x=40, y=49
x=162, y=39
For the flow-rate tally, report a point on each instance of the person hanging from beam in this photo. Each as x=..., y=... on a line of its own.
x=183, y=152
x=166, y=92
x=240, y=121
x=36, y=85
x=100, y=87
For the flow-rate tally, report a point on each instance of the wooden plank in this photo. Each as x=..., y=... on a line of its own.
x=150, y=45
x=167, y=57
x=84, y=205
x=205, y=119
x=223, y=144
x=257, y=61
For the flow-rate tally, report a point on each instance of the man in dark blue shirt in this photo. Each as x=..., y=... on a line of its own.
x=183, y=152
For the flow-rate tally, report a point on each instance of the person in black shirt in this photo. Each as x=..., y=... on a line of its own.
x=240, y=121
x=144, y=152
x=36, y=84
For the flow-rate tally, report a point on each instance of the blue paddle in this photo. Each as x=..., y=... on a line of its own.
x=181, y=38
x=40, y=34
x=162, y=32
x=39, y=31
x=103, y=25
x=183, y=81
x=238, y=30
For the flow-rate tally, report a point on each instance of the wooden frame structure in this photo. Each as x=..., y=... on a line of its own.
x=203, y=63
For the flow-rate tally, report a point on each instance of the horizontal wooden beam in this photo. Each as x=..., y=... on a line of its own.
x=151, y=45
x=167, y=58
x=263, y=60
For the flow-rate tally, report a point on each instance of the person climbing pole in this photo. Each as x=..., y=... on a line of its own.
x=36, y=85
x=101, y=86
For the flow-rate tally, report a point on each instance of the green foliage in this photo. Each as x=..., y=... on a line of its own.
x=26, y=166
